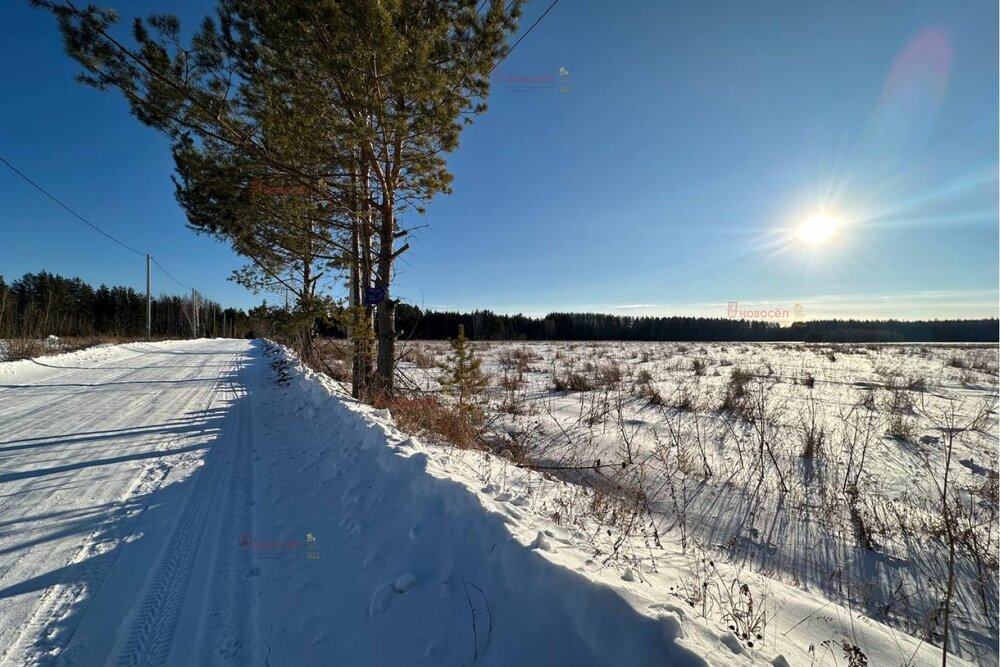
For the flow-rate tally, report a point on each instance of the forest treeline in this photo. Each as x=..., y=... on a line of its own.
x=486, y=325
x=43, y=304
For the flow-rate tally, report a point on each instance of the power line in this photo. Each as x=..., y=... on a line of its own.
x=74, y=213
x=89, y=223
x=167, y=273
x=537, y=21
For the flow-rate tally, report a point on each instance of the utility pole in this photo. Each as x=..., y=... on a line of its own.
x=149, y=304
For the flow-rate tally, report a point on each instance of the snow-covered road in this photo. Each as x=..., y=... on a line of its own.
x=102, y=524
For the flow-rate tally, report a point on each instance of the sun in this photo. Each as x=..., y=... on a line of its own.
x=818, y=229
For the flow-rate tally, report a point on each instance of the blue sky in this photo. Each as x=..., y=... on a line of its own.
x=665, y=171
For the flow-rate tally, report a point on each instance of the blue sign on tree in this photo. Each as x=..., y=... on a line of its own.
x=374, y=295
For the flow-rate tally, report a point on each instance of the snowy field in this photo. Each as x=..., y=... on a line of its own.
x=798, y=470
x=214, y=502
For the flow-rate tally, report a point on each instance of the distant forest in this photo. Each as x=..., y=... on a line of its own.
x=43, y=304
x=486, y=325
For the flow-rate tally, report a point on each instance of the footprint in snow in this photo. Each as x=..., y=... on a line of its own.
x=383, y=595
x=404, y=583
x=672, y=625
x=541, y=542
x=231, y=648
x=513, y=513
x=733, y=642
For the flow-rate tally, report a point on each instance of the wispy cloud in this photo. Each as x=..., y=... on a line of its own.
x=912, y=305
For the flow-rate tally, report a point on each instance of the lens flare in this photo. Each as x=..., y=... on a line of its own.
x=913, y=93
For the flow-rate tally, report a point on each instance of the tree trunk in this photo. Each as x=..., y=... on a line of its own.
x=386, y=344
x=354, y=324
x=386, y=312
x=308, y=327
x=361, y=315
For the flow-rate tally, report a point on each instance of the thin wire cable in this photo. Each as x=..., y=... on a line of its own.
x=72, y=212
x=88, y=222
x=537, y=21
x=167, y=273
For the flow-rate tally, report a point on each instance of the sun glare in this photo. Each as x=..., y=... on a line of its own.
x=818, y=229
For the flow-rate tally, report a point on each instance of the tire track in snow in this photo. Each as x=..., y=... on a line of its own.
x=37, y=642
x=224, y=613
x=70, y=411
x=150, y=636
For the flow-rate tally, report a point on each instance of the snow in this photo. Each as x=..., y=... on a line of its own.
x=782, y=543
x=215, y=502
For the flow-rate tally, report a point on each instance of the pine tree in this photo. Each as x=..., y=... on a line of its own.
x=463, y=378
x=355, y=103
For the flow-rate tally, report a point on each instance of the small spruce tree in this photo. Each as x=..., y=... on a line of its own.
x=463, y=377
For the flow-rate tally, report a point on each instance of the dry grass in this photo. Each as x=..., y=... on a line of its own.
x=645, y=388
x=572, y=381
x=519, y=359
x=419, y=358
x=901, y=427
x=431, y=418
x=14, y=349
x=735, y=394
